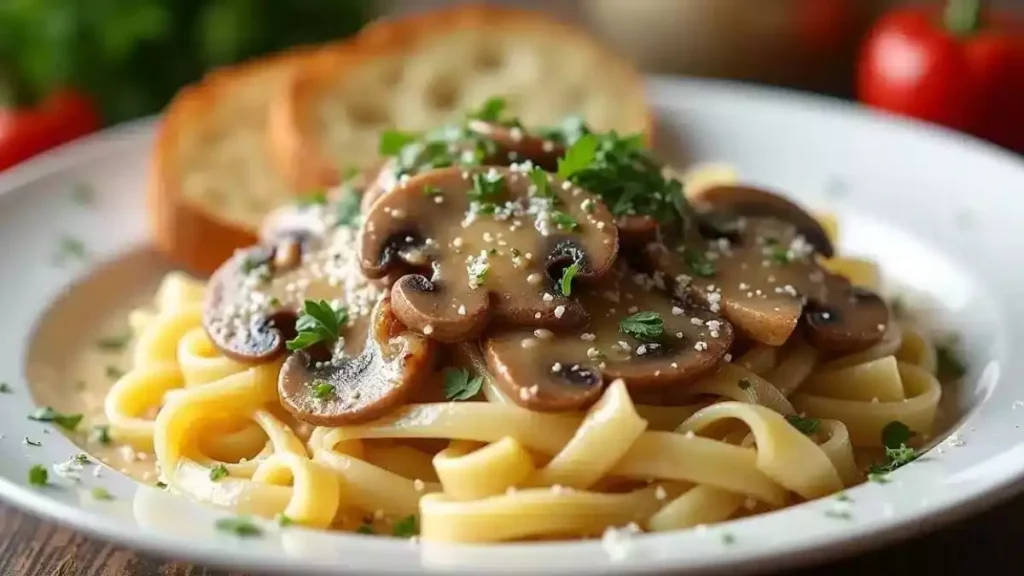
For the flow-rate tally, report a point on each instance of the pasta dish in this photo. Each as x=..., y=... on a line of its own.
x=507, y=334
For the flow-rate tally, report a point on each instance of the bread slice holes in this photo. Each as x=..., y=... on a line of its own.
x=489, y=58
x=443, y=93
x=368, y=113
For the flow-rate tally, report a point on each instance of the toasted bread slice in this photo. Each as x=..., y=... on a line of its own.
x=211, y=178
x=418, y=72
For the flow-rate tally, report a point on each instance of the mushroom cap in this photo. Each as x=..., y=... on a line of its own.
x=561, y=370
x=477, y=143
x=497, y=254
x=254, y=298
x=761, y=282
x=383, y=364
x=753, y=202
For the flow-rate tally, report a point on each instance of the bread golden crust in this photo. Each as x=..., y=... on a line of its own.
x=186, y=228
x=440, y=51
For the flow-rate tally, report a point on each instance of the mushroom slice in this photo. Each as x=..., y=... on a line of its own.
x=496, y=246
x=637, y=332
x=756, y=203
x=761, y=282
x=253, y=300
x=477, y=143
x=381, y=364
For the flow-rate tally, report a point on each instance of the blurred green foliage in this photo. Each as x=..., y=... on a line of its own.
x=132, y=55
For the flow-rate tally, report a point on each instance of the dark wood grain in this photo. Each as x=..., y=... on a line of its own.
x=30, y=547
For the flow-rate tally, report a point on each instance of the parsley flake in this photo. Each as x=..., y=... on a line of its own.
x=5, y=388
x=699, y=263
x=347, y=209
x=364, y=529
x=283, y=520
x=114, y=373
x=778, y=254
x=490, y=111
x=568, y=274
x=240, y=526
x=539, y=178
x=32, y=442
x=38, y=475
x=486, y=188
x=314, y=198
x=460, y=384
x=564, y=221
x=745, y=384
x=101, y=434
x=70, y=249
x=161, y=485
x=319, y=322
x=644, y=326
x=477, y=270
x=101, y=493
x=392, y=142
x=217, y=472
x=406, y=527
x=728, y=538
x=114, y=343
x=322, y=390
x=67, y=421
x=431, y=190
x=578, y=156
x=806, y=425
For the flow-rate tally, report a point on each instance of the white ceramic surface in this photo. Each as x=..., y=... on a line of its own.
x=941, y=213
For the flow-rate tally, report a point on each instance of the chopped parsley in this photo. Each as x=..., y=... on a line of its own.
x=431, y=190
x=283, y=520
x=38, y=475
x=217, y=472
x=486, y=189
x=392, y=142
x=895, y=436
x=644, y=326
x=322, y=390
x=406, y=527
x=539, y=178
x=568, y=274
x=32, y=442
x=477, y=270
x=571, y=129
x=47, y=414
x=319, y=322
x=949, y=365
x=844, y=497
x=101, y=434
x=314, y=198
x=728, y=538
x=838, y=514
x=806, y=425
x=745, y=384
x=5, y=388
x=490, y=111
x=101, y=493
x=698, y=263
x=364, y=529
x=161, y=485
x=460, y=384
x=81, y=459
x=347, y=209
x=114, y=343
x=578, y=157
x=564, y=221
x=778, y=254
x=70, y=248
x=240, y=526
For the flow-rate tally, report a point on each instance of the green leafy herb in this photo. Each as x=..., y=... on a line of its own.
x=114, y=343
x=699, y=263
x=806, y=425
x=161, y=485
x=490, y=111
x=477, y=270
x=217, y=472
x=728, y=538
x=101, y=434
x=745, y=384
x=5, y=388
x=322, y=389
x=844, y=497
x=47, y=414
x=460, y=384
x=350, y=173
x=314, y=198
x=486, y=188
x=838, y=514
x=896, y=434
x=431, y=190
x=578, y=157
x=239, y=526
x=406, y=527
x=950, y=367
x=348, y=207
x=894, y=459
x=38, y=475
x=392, y=142
x=644, y=326
x=571, y=129
x=568, y=274
x=564, y=221
x=878, y=477
x=364, y=529
x=82, y=193
x=81, y=459
x=70, y=249
x=283, y=520
x=319, y=322
x=539, y=178
x=113, y=372
x=778, y=254
x=101, y=493
x=32, y=442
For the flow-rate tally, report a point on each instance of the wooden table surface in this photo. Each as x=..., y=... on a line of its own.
x=30, y=547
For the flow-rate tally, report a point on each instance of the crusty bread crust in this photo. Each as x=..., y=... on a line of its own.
x=375, y=60
x=191, y=234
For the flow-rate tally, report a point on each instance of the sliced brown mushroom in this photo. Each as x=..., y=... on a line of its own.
x=475, y=144
x=495, y=246
x=548, y=371
x=740, y=201
x=762, y=279
x=253, y=299
x=378, y=367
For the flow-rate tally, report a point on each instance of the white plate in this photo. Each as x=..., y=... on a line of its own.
x=941, y=213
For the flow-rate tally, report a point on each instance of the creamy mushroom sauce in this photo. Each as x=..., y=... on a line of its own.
x=494, y=242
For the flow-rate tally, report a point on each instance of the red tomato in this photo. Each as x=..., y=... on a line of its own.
x=61, y=117
x=972, y=80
